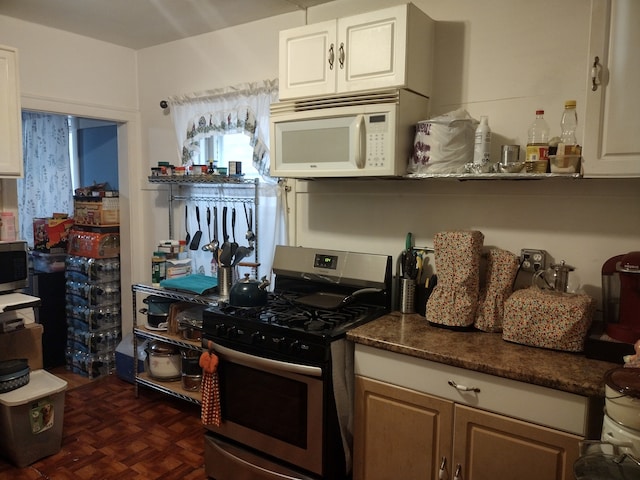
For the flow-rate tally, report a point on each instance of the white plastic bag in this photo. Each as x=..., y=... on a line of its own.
x=443, y=144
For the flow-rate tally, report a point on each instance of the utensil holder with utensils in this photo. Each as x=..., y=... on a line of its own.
x=407, y=295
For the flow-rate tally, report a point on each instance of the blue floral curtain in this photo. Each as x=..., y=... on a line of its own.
x=46, y=187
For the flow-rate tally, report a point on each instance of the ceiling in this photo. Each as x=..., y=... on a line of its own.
x=139, y=24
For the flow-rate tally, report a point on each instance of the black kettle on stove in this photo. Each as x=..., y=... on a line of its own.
x=249, y=293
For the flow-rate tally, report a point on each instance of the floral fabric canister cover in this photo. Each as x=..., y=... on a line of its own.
x=454, y=300
x=502, y=268
x=548, y=319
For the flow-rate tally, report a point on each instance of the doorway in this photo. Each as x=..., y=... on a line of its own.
x=61, y=154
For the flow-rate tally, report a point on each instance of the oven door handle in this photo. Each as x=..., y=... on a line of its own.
x=263, y=363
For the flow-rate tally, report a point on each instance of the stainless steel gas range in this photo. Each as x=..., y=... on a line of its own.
x=286, y=369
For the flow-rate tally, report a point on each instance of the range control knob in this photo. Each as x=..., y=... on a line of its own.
x=221, y=329
x=282, y=343
x=232, y=332
x=257, y=338
x=294, y=347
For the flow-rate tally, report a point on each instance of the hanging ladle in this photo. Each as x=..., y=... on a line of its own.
x=248, y=215
x=213, y=245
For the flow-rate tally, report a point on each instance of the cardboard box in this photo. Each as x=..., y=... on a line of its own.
x=94, y=245
x=23, y=343
x=97, y=211
x=31, y=419
x=176, y=268
x=51, y=235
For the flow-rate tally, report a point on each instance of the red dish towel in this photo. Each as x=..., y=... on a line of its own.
x=210, y=414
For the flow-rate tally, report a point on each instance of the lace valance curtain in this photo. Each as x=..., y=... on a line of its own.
x=242, y=108
x=239, y=109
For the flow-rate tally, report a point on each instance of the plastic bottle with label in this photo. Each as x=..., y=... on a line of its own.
x=482, y=142
x=537, y=158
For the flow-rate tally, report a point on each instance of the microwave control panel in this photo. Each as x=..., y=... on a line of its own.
x=377, y=139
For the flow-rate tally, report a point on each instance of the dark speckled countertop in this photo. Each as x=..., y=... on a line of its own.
x=484, y=352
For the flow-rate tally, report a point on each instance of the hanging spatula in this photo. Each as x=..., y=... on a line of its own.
x=195, y=241
x=186, y=224
x=225, y=254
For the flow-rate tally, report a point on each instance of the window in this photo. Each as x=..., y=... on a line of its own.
x=229, y=147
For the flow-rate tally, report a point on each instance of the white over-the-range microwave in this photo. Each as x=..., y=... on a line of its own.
x=366, y=134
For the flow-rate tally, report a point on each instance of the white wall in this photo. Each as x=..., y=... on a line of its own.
x=70, y=74
x=501, y=58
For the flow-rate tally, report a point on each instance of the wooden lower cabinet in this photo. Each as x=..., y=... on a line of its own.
x=402, y=433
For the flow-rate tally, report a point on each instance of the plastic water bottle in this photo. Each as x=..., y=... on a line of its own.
x=538, y=144
x=568, y=124
x=482, y=143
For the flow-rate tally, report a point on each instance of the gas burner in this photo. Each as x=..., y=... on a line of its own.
x=284, y=312
x=239, y=312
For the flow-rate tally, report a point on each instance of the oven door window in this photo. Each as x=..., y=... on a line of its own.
x=264, y=402
x=273, y=408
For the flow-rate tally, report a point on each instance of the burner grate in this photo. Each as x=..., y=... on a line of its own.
x=283, y=311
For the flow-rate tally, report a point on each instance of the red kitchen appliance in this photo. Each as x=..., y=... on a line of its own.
x=623, y=325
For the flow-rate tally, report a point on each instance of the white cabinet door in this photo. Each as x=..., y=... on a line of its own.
x=10, y=115
x=307, y=60
x=388, y=48
x=374, y=49
x=611, y=142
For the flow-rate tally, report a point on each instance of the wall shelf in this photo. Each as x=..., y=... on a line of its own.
x=491, y=176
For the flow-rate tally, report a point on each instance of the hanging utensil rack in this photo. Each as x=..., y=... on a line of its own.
x=210, y=188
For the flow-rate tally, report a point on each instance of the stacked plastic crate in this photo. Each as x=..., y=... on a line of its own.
x=93, y=304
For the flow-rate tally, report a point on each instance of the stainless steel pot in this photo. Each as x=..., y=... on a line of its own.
x=163, y=361
x=622, y=396
x=156, y=320
x=158, y=305
x=191, y=329
x=600, y=466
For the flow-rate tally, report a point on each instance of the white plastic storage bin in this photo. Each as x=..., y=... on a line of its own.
x=31, y=419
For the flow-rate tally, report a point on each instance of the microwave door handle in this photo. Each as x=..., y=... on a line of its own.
x=361, y=142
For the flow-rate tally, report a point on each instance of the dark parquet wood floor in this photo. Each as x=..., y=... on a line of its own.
x=108, y=433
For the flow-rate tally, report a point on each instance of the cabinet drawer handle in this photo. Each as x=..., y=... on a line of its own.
x=462, y=388
x=341, y=55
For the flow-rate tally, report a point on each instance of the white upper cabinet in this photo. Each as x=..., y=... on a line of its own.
x=392, y=47
x=612, y=122
x=10, y=115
